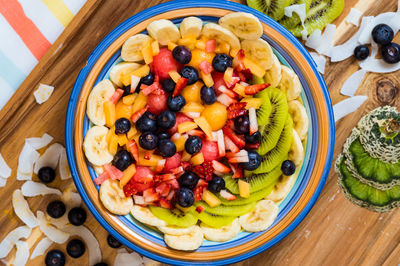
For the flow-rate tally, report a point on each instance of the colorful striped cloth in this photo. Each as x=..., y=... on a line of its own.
x=27, y=30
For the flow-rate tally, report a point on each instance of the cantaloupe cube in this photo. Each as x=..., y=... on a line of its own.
x=123, y=110
x=129, y=99
x=193, y=107
x=239, y=89
x=191, y=93
x=180, y=143
x=207, y=79
x=211, y=199
x=200, y=44
x=152, y=162
x=141, y=72
x=109, y=112
x=253, y=102
x=188, y=41
x=155, y=47
x=128, y=174
x=139, y=103
x=204, y=125
x=122, y=140
x=254, y=68
x=147, y=52
x=223, y=47
x=175, y=76
x=131, y=133
x=110, y=133
x=186, y=156
x=197, y=159
x=186, y=126
x=244, y=188
x=113, y=144
x=171, y=46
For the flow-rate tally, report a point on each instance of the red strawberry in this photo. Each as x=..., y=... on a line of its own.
x=164, y=62
x=165, y=203
x=218, y=79
x=163, y=189
x=150, y=195
x=172, y=162
x=210, y=150
x=180, y=118
x=157, y=103
x=134, y=187
x=143, y=175
x=208, y=170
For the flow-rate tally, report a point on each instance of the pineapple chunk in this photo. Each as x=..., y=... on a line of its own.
x=253, y=102
x=191, y=93
x=129, y=99
x=122, y=140
x=186, y=126
x=211, y=199
x=113, y=144
x=109, y=112
x=186, y=157
x=147, y=52
x=171, y=46
x=123, y=110
x=131, y=133
x=152, y=162
x=207, y=79
x=139, y=103
x=200, y=44
x=197, y=159
x=254, y=68
x=244, y=188
x=155, y=47
x=180, y=143
x=239, y=89
x=204, y=125
x=193, y=107
x=141, y=72
x=128, y=174
x=228, y=75
x=174, y=75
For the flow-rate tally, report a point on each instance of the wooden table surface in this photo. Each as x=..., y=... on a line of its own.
x=335, y=232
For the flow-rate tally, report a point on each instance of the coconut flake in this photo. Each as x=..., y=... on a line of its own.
x=354, y=16
x=26, y=160
x=22, y=254
x=9, y=241
x=22, y=210
x=50, y=231
x=352, y=83
x=41, y=247
x=299, y=9
x=91, y=241
x=50, y=157
x=371, y=64
x=320, y=61
x=72, y=199
x=128, y=259
x=395, y=22
x=386, y=18
x=33, y=189
x=43, y=93
x=38, y=143
x=348, y=106
x=5, y=170
x=63, y=166
x=322, y=43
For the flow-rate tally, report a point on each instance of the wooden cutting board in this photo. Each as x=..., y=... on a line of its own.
x=335, y=232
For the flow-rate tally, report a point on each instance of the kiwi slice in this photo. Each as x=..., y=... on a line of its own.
x=257, y=80
x=364, y=195
x=278, y=154
x=321, y=13
x=271, y=131
x=257, y=182
x=264, y=112
x=273, y=8
x=254, y=197
x=174, y=216
x=291, y=22
x=236, y=210
x=213, y=220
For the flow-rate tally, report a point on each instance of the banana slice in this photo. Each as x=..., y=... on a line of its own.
x=290, y=83
x=282, y=188
x=261, y=217
x=222, y=234
x=296, y=152
x=176, y=231
x=95, y=146
x=144, y=215
x=190, y=241
x=274, y=74
x=300, y=118
x=258, y=51
x=100, y=93
x=114, y=199
x=191, y=26
x=244, y=25
x=132, y=48
x=219, y=33
x=164, y=31
x=120, y=69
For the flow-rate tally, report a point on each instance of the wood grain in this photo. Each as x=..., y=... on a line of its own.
x=335, y=232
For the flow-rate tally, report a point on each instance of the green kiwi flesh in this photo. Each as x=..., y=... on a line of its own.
x=263, y=113
x=272, y=8
x=254, y=197
x=291, y=22
x=174, y=216
x=213, y=220
x=234, y=210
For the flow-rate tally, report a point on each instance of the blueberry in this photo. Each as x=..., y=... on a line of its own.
x=208, y=95
x=168, y=85
x=75, y=248
x=242, y=124
x=182, y=54
x=166, y=119
x=361, y=52
x=148, y=141
x=216, y=184
x=148, y=79
x=382, y=34
x=221, y=62
x=253, y=138
x=288, y=167
x=163, y=135
x=176, y=103
x=55, y=257
x=113, y=242
x=190, y=73
x=127, y=90
x=46, y=174
x=166, y=148
x=391, y=53
x=254, y=161
x=56, y=209
x=188, y=180
x=77, y=216
x=122, y=126
x=147, y=122
x=122, y=159
x=185, y=197
x=101, y=264
x=193, y=145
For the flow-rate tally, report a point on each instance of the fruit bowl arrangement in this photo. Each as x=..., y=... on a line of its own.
x=195, y=131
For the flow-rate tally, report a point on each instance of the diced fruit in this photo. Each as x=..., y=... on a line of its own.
x=116, y=96
x=129, y=99
x=244, y=188
x=153, y=161
x=180, y=85
x=200, y=44
x=132, y=132
x=220, y=167
x=109, y=112
x=155, y=48
x=253, y=121
x=171, y=46
x=240, y=89
x=180, y=118
x=228, y=74
x=150, y=195
x=175, y=76
x=141, y=71
x=193, y=107
x=134, y=187
x=199, y=56
x=123, y=111
x=238, y=140
x=191, y=93
x=252, y=102
x=216, y=115
x=230, y=93
x=221, y=143
x=211, y=199
x=207, y=79
x=188, y=41
x=200, y=209
x=226, y=195
x=186, y=126
x=230, y=145
x=157, y=103
x=205, y=67
x=223, y=47
x=197, y=159
x=140, y=102
x=210, y=46
x=164, y=62
x=128, y=174
x=225, y=99
x=114, y=172
x=160, y=165
x=122, y=140
x=254, y=68
x=138, y=114
x=218, y=79
x=143, y=174
x=147, y=53
x=172, y=162
x=133, y=149
x=209, y=150
x=113, y=144
x=234, y=52
x=204, y=125
x=101, y=178
x=180, y=143
x=253, y=89
x=186, y=156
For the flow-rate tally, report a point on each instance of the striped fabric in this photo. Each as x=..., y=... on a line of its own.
x=27, y=30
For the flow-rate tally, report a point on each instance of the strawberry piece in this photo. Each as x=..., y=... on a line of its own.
x=205, y=67
x=239, y=142
x=113, y=172
x=236, y=106
x=196, y=132
x=163, y=189
x=242, y=77
x=211, y=45
x=157, y=102
x=237, y=171
x=101, y=178
x=247, y=74
x=171, y=195
x=150, y=195
x=230, y=93
x=186, y=165
x=173, y=183
x=199, y=170
x=172, y=162
x=226, y=195
x=143, y=175
x=202, y=183
x=179, y=86
x=235, y=113
x=164, y=177
x=160, y=165
x=149, y=89
x=116, y=96
x=208, y=170
x=163, y=63
x=165, y=203
x=253, y=89
x=148, y=154
x=230, y=145
x=240, y=55
x=177, y=170
x=135, y=117
x=232, y=83
x=239, y=159
x=133, y=187
x=237, y=154
x=218, y=80
x=252, y=146
x=200, y=209
x=220, y=167
x=180, y=118
x=198, y=192
x=133, y=149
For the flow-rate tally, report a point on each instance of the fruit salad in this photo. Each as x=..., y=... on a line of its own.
x=198, y=131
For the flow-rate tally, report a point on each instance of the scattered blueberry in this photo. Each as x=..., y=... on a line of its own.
x=188, y=180
x=166, y=148
x=148, y=141
x=253, y=138
x=182, y=54
x=382, y=34
x=148, y=79
x=216, y=184
x=288, y=167
x=176, y=103
x=75, y=248
x=122, y=159
x=56, y=209
x=221, y=62
x=190, y=73
x=46, y=174
x=361, y=52
x=391, y=53
x=163, y=135
x=185, y=197
x=193, y=145
x=122, y=126
x=254, y=161
x=147, y=122
x=113, y=242
x=55, y=257
x=208, y=95
x=166, y=119
x=77, y=216
x=242, y=124
x=168, y=85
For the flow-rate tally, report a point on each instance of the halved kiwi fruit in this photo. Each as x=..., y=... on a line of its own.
x=236, y=210
x=174, y=216
x=265, y=109
x=254, y=197
x=291, y=22
x=213, y=220
x=273, y=8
